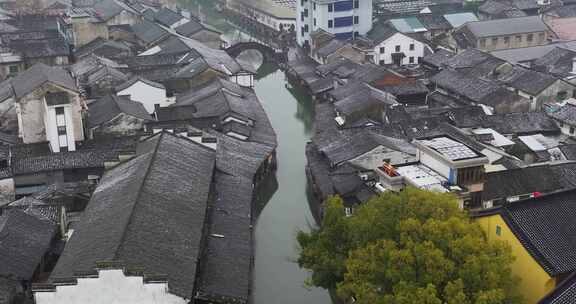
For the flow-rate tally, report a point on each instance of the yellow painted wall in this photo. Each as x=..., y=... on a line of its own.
x=535, y=282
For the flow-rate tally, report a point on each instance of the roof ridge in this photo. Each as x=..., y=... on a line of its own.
x=144, y=178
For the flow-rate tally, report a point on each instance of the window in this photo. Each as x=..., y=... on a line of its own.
x=305, y=12
x=330, y=7
x=411, y=59
x=506, y=40
x=562, y=95
x=314, y=6
x=302, y=31
x=306, y=28
x=518, y=38
x=13, y=69
x=356, y=4
x=382, y=50
x=541, y=37
x=314, y=21
x=330, y=23
x=397, y=48
x=381, y=62
x=348, y=211
x=356, y=34
x=59, y=111
x=498, y=230
x=356, y=19
x=61, y=130
x=495, y=41
x=63, y=141
x=411, y=46
x=571, y=130
x=482, y=42
x=530, y=37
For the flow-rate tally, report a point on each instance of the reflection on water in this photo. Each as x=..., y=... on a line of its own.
x=266, y=69
x=305, y=107
x=264, y=193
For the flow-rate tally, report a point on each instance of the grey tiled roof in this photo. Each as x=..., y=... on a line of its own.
x=149, y=32
x=509, y=26
x=117, y=224
x=108, y=9
x=128, y=83
x=330, y=47
x=381, y=32
x=434, y=22
x=557, y=62
x=565, y=114
x=544, y=226
x=477, y=90
x=438, y=58
x=569, y=151
x=102, y=47
x=35, y=158
x=521, y=123
x=25, y=240
x=220, y=99
x=8, y=290
x=40, y=74
x=226, y=267
x=189, y=28
x=167, y=17
x=110, y=106
x=503, y=184
x=41, y=48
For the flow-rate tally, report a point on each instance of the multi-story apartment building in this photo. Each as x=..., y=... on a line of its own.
x=343, y=18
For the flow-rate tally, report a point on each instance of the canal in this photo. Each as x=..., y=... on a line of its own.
x=277, y=277
x=283, y=208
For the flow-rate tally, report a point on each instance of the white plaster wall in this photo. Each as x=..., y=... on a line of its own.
x=7, y=190
x=70, y=132
x=565, y=128
x=111, y=287
x=245, y=80
x=51, y=129
x=365, y=16
x=146, y=94
x=434, y=164
x=124, y=17
x=404, y=42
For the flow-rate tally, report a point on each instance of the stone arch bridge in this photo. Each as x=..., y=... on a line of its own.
x=269, y=54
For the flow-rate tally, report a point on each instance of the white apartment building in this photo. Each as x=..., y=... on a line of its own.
x=343, y=18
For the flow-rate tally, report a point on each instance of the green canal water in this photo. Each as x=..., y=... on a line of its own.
x=277, y=277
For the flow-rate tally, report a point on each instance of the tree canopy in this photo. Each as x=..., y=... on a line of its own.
x=412, y=247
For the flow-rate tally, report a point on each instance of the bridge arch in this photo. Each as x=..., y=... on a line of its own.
x=268, y=53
